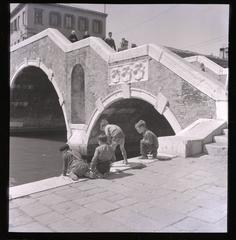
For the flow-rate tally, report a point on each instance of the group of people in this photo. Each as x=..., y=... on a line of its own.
x=75, y=166
x=73, y=37
x=109, y=40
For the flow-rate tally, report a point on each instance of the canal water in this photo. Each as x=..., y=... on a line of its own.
x=34, y=157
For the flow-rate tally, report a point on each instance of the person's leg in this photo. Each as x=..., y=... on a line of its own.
x=103, y=167
x=143, y=149
x=154, y=151
x=123, y=151
x=114, y=144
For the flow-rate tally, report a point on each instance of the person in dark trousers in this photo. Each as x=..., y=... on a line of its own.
x=110, y=41
x=115, y=136
x=73, y=164
x=103, y=157
x=149, y=143
x=86, y=35
x=73, y=37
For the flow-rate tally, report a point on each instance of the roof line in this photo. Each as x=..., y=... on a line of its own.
x=21, y=5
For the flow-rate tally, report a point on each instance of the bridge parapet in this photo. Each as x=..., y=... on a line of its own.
x=179, y=92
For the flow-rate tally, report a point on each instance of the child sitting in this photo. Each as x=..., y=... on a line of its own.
x=103, y=157
x=73, y=164
x=149, y=143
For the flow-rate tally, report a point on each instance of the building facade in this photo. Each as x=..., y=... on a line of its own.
x=30, y=19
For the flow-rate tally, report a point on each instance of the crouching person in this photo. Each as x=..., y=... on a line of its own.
x=149, y=143
x=104, y=155
x=73, y=164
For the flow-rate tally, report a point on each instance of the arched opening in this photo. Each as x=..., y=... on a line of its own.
x=77, y=95
x=37, y=127
x=126, y=113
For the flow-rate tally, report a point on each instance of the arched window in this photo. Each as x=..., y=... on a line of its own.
x=77, y=95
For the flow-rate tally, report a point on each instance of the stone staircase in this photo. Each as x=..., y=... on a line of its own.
x=219, y=146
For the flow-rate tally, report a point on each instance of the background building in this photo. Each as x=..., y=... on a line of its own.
x=30, y=19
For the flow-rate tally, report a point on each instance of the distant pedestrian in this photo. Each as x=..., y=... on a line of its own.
x=103, y=157
x=115, y=137
x=73, y=164
x=86, y=35
x=123, y=45
x=110, y=41
x=203, y=67
x=149, y=143
x=73, y=37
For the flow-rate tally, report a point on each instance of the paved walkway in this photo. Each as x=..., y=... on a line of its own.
x=180, y=195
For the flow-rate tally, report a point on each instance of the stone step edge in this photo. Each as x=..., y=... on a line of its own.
x=59, y=181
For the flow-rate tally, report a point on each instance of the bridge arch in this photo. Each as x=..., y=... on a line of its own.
x=49, y=73
x=135, y=94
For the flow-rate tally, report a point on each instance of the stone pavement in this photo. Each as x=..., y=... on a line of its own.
x=180, y=195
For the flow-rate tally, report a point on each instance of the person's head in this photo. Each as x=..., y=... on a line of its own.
x=86, y=33
x=64, y=148
x=110, y=34
x=73, y=32
x=102, y=139
x=103, y=124
x=141, y=126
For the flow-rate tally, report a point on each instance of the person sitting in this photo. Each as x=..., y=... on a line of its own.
x=115, y=137
x=73, y=164
x=110, y=41
x=73, y=37
x=86, y=35
x=149, y=143
x=103, y=157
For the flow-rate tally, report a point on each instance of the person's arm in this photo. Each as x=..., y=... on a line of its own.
x=113, y=157
x=114, y=45
x=65, y=164
x=94, y=160
x=107, y=132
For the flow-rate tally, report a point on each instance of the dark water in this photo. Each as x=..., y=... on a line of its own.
x=34, y=157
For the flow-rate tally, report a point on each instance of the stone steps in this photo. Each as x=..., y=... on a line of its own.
x=220, y=145
x=221, y=139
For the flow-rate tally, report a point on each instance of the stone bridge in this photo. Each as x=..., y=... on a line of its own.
x=91, y=81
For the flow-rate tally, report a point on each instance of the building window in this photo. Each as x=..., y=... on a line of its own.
x=38, y=16
x=15, y=25
x=97, y=26
x=69, y=21
x=18, y=22
x=23, y=19
x=55, y=19
x=83, y=24
x=12, y=27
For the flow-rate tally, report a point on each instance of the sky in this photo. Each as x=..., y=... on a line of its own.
x=201, y=28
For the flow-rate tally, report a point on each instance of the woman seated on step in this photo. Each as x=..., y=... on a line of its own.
x=73, y=164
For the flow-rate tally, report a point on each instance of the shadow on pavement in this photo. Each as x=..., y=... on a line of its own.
x=118, y=175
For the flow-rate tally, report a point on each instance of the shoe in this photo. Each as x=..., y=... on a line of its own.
x=125, y=162
x=105, y=175
x=73, y=177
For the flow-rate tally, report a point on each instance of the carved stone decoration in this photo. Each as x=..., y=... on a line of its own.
x=129, y=72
